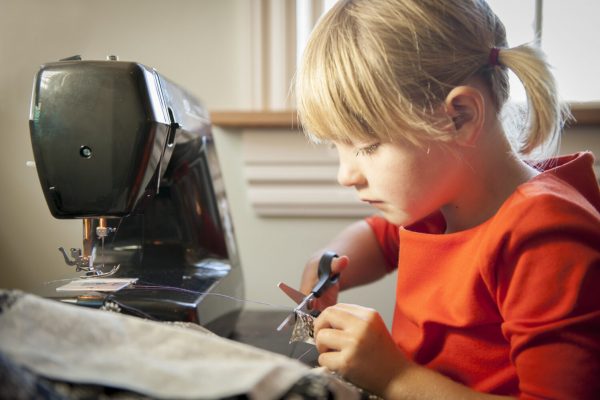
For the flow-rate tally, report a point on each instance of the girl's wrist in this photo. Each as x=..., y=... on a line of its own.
x=396, y=385
x=414, y=381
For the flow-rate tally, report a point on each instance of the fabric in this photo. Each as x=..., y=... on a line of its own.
x=101, y=349
x=304, y=330
x=510, y=306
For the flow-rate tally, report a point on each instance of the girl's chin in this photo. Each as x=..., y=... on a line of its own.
x=396, y=218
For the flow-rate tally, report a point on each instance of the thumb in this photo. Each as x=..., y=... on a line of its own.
x=339, y=264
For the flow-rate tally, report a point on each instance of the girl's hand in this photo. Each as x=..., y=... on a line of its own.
x=310, y=279
x=354, y=342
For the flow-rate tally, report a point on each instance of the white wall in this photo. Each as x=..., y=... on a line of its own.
x=203, y=45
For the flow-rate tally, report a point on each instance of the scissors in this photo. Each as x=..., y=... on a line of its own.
x=326, y=279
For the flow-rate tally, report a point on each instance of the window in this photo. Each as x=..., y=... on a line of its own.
x=571, y=37
x=569, y=34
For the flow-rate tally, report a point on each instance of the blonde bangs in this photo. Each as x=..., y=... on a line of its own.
x=325, y=89
x=359, y=81
x=343, y=88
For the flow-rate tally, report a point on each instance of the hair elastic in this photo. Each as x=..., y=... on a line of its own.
x=493, y=60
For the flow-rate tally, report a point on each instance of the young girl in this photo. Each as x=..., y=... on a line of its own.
x=498, y=258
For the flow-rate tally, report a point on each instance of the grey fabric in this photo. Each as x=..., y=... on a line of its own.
x=80, y=345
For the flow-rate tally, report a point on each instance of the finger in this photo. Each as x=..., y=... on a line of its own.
x=330, y=360
x=328, y=299
x=336, y=361
x=310, y=274
x=364, y=317
x=333, y=317
x=330, y=340
x=356, y=309
x=339, y=264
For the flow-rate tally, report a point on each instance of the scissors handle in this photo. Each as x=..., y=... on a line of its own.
x=326, y=279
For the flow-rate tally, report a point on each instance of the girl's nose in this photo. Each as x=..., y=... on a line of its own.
x=349, y=174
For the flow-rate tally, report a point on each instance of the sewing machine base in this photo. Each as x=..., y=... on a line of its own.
x=208, y=295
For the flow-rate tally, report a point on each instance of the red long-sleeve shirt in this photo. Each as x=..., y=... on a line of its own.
x=511, y=306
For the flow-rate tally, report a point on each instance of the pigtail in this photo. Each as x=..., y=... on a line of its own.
x=546, y=114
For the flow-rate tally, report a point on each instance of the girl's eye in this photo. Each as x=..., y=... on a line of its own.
x=368, y=150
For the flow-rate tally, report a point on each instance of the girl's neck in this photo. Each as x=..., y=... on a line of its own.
x=493, y=173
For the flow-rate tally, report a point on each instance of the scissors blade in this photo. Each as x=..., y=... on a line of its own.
x=285, y=321
x=326, y=279
x=301, y=307
x=296, y=295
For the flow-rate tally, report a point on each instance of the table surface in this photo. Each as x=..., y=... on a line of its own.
x=259, y=329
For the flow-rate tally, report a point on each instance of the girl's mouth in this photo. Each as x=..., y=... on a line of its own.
x=372, y=202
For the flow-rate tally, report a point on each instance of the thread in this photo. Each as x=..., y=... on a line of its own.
x=305, y=353
x=145, y=286
x=148, y=286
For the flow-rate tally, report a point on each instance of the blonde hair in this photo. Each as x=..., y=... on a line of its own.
x=380, y=69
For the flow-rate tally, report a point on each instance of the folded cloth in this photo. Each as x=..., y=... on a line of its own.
x=80, y=345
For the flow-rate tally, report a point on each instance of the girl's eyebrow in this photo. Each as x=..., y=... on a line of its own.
x=362, y=145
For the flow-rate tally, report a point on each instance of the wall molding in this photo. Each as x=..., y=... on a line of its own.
x=289, y=177
x=286, y=176
x=584, y=114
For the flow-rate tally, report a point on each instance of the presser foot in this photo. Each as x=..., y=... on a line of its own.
x=97, y=273
x=83, y=263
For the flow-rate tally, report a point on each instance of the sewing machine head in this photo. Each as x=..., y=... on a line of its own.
x=130, y=153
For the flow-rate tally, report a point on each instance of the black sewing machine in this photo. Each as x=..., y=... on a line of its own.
x=130, y=153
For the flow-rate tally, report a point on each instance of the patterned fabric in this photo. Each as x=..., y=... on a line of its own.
x=303, y=328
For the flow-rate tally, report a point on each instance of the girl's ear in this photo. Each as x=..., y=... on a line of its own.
x=465, y=105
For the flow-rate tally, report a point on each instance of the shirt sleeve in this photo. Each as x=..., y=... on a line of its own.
x=547, y=291
x=387, y=235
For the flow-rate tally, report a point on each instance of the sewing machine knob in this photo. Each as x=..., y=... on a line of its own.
x=85, y=152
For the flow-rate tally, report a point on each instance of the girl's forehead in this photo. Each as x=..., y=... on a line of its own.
x=339, y=130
